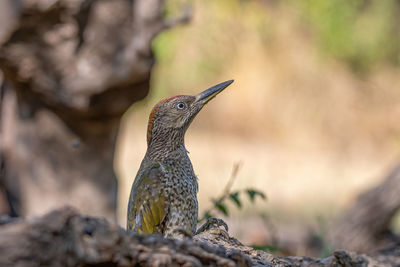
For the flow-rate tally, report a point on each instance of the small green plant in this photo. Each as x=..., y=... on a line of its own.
x=219, y=204
x=326, y=248
x=268, y=248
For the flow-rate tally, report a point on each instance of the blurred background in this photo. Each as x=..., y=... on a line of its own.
x=312, y=119
x=312, y=115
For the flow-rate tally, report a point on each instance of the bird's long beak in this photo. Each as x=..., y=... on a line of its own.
x=210, y=93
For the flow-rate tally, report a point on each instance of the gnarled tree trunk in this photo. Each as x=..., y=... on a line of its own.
x=71, y=69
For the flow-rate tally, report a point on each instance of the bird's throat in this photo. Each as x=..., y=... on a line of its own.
x=166, y=146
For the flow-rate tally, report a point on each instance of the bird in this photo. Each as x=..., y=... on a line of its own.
x=163, y=197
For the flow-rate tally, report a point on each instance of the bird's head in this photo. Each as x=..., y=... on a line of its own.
x=171, y=117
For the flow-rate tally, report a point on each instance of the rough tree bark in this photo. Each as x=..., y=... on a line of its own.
x=72, y=68
x=365, y=226
x=64, y=238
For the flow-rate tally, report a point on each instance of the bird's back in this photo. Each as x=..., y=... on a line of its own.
x=163, y=197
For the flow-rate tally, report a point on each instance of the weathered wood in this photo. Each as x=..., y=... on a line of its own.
x=65, y=238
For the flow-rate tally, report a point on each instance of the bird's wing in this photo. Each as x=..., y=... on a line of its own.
x=148, y=205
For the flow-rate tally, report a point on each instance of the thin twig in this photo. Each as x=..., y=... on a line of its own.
x=235, y=170
x=227, y=189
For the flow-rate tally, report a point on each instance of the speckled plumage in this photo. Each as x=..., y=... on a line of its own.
x=164, y=194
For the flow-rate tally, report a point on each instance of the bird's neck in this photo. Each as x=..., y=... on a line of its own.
x=163, y=146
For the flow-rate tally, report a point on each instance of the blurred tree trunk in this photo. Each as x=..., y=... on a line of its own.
x=71, y=69
x=365, y=226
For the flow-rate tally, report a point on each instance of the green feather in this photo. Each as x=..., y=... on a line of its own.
x=147, y=206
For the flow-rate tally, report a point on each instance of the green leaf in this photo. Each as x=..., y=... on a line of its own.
x=221, y=207
x=253, y=193
x=268, y=248
x=207, y=215
x=235, y=198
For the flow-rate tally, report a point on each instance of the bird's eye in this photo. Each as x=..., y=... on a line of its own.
x=181, y=105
